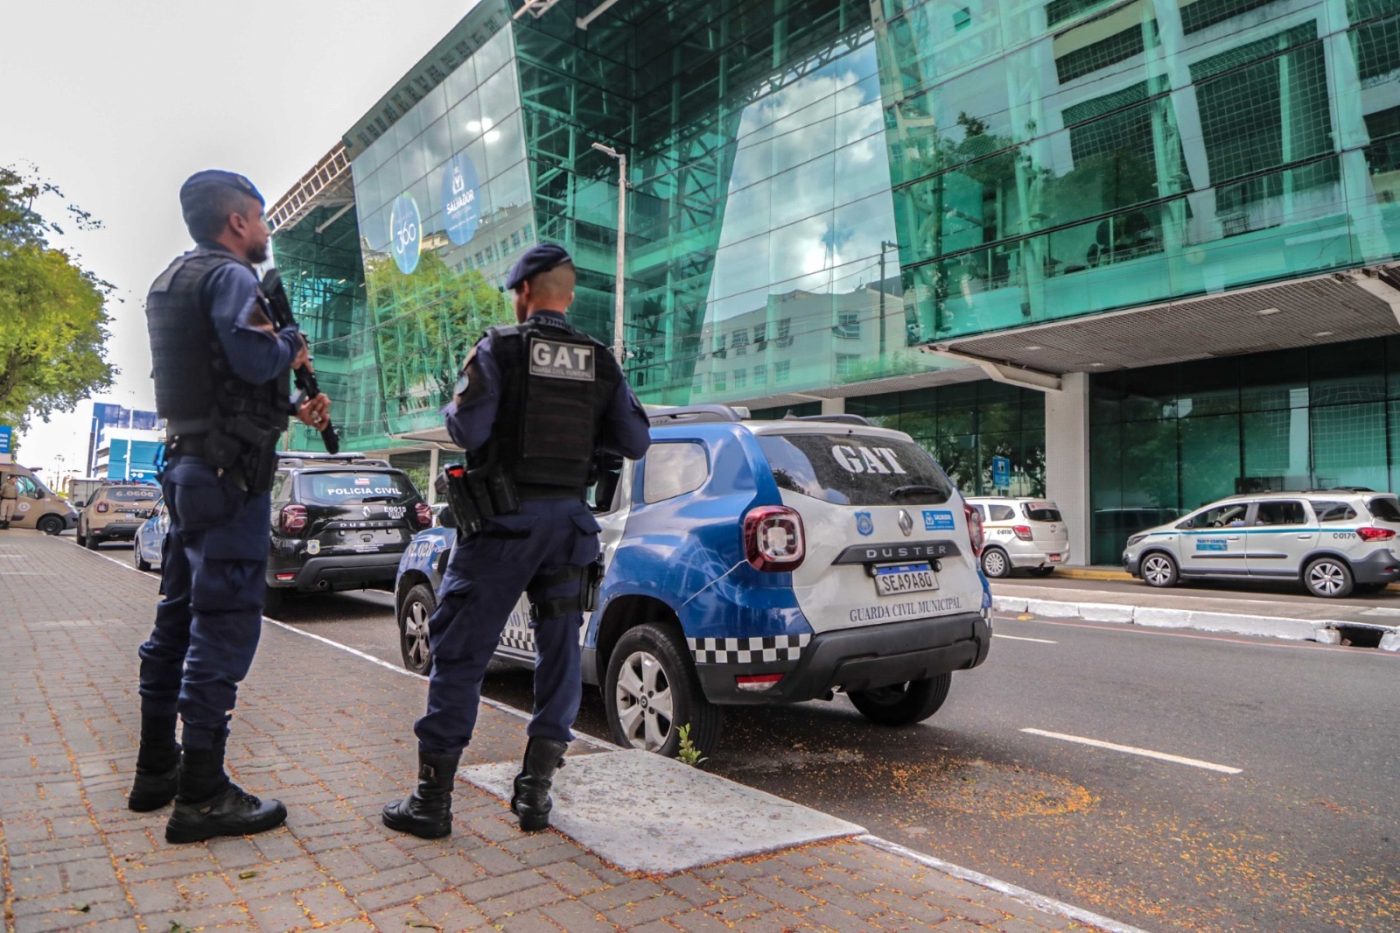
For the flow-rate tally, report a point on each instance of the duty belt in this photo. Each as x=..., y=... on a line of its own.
x=533, y=491
x=188, y=444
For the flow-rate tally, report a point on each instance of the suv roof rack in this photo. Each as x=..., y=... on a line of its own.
x=692, y=413
x=313, y=458
x=837, y=418
x=1341, y=489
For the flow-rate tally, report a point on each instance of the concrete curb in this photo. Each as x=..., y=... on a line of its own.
x=1325, y=631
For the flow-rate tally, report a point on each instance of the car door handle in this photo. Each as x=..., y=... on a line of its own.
x=1305, y=537
x=1232, y=537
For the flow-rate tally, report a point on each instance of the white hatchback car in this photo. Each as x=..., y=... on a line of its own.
x=1021, y=533
x=1337, y=541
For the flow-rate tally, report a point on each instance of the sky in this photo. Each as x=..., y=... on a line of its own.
x=118, y=103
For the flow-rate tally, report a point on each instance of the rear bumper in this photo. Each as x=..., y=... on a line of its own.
x=859, y=659
x=335, y=572
x=1380, y=567
x=113, y=530
x=1036, y=555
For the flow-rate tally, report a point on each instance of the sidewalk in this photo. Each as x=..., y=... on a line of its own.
x=1300, y=617
x=329, y=732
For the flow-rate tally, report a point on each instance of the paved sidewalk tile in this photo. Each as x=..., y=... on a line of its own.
x=330, y=734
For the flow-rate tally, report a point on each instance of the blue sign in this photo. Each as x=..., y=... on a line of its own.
x=938, y=520
x=405, y=233
x=461, y=207
x=1212, y=544
x=1001, y=472
x=6, y=435
x=865, y=524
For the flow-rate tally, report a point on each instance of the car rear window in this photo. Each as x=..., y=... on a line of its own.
x=853, y=469
x=1385, y=508
x=1333, y=511
x=130, y=493
x=349, y=488
x=1042, y=512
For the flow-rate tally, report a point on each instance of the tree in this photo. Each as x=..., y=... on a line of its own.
x=53, y=317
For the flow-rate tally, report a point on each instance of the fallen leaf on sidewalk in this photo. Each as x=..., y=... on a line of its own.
x=423, y=926
x=245, y=875
x=82, y=908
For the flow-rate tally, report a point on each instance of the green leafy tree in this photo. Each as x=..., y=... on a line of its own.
x=53, y=317
x=424, y=325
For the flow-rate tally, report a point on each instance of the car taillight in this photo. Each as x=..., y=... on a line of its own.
x=974, y=529
x=102, y=507
x=774, y=539
x=292, y=519
x=1022, y=531
x=424, y=515
x=1375, y=534
x=757, y=683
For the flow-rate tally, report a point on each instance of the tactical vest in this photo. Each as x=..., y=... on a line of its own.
x=195, y=386
x=558, y=383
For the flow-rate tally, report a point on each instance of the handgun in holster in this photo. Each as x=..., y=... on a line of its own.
x=452, y=482
x=592, y=585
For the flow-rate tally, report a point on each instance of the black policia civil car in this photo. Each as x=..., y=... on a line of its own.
x=338, y=523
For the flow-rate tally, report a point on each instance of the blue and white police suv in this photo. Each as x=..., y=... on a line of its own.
x=760, y=562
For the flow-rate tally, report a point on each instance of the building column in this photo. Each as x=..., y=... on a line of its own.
x=1067, y=459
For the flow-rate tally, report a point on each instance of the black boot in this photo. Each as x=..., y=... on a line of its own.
x=427, y=812
x=209, y=804
x=531, y=801
x=157, y=765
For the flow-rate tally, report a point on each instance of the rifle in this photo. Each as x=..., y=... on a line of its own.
x=281, y=310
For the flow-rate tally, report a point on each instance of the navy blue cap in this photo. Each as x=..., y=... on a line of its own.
x=537, y=259
x=214, y=176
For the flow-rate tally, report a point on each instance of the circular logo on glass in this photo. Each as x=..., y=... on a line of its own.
x=461, y=210
x=404, y=229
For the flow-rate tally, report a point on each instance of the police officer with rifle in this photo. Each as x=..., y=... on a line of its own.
x=220, y=364
x=536, y=403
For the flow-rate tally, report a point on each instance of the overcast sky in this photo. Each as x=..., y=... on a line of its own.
x=118, y=103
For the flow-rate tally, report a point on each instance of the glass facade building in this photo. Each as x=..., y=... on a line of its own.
x=827, y=200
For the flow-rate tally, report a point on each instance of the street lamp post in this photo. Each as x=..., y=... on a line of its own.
x=621, y=158
x=884, y=245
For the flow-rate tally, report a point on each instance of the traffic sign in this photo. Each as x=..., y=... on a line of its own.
x=6, y=438
x=1001, y=472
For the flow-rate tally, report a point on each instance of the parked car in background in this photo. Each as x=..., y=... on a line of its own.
x=1335, y=541
x=1022, y=534
x=38, y=506
x=114, y=512
x=150, y=537
x=759, y=562
x=339, y=522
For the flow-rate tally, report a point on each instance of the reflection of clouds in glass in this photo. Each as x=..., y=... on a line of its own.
x=805, y=154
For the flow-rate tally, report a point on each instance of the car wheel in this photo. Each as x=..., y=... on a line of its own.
x=51, y=525
x=1328, y=577
x=903, y=704
x=141, y=565
x=82, y=538
x=418, y=607
x=651, y=691
x=92, y=542
x=1041, y=571
x=995, y=563
x=1159, y=569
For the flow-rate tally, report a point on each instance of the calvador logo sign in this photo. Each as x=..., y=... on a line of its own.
x=405, y=233
x=461, y=207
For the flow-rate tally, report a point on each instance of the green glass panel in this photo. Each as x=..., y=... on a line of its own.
x=1210, y=458
x=1349, y=445
x=1276, y=447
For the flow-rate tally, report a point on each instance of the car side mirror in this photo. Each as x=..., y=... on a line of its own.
x=79, y=503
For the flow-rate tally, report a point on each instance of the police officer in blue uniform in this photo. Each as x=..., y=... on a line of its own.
x=220, y=369
x=536, y=402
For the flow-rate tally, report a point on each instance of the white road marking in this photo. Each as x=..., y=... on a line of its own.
x=1134, y=750
x=1038, y=901
x=1040, y=641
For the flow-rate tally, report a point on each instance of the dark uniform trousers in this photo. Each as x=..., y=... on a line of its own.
x=485, y=577
x=214, y=561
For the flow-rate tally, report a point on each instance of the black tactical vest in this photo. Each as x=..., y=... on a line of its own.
x=195, y=386
x=558, y=383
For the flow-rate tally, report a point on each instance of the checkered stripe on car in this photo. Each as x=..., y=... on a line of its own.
x=748, y=650
x=520, y=639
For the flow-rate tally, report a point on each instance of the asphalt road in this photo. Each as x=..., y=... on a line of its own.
x=1304, y=836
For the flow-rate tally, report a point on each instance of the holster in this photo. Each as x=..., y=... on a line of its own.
x=592, y=585
x=453, y=483
x=247, y=452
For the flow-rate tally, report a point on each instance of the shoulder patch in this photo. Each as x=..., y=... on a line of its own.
x=559, y=359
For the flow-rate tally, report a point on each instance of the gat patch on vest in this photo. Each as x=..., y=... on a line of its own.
x=555, y=359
